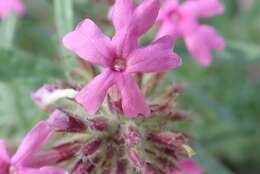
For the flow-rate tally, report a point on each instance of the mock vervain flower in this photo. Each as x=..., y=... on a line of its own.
x=121, y=56
x=11, y=6
x=18, y=163
x=113, y=143
x=182, y=21
x=188, y=167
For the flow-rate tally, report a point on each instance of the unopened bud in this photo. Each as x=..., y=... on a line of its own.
x=168, y=138
x=98, y=124
x=63, y=122
x=135, y=158
x=91, y=147
x=149, y=169
x=132, y=136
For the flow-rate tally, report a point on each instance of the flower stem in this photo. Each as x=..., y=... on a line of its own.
x=8, y=31
x=63, y=10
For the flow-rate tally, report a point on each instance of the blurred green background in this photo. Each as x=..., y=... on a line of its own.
x=225, y=96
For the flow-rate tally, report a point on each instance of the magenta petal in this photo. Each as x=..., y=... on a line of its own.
x=167, y=8
x=157, y=57
x=43, y=170
x=33, y=141
x=10, y=6
x=144, y=16
x=168, y=28
x=89, y=42
x=92, y=95
x=202, y=8
x=188, y=167
x=4, y=158
x=133, y=101
x=122, y=13
x=210, y=8
x=201, y=42
x=215, y=41
x=18, y=7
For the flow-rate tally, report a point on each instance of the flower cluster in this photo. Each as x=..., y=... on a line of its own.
x=134, y=130
x=181, y=20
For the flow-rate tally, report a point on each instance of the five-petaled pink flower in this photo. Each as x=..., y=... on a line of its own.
x=182, y=20
x=34, y=140
x=11, y=6
x=120, y=56
x=188, y=167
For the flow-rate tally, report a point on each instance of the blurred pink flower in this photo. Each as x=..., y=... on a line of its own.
x=182, y=20
x=46, y=90
x=188, y=167
x=11, y=6
x=17, y=163
x=121, y=56
x=49, y=93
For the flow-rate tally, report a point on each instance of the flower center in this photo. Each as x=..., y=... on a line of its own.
x=119, y=64
x=175, y=17
x=12, y=170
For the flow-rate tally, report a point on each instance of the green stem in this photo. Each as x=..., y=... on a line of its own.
x=63, y=10
x=8, y=31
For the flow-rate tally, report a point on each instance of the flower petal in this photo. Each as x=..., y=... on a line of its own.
x=145, y=16
x=133, y=101
x=188, y=167
x=202, y=8
x=10, y=6
x=168, y=28
x=33, y=141
x=142, y=20
x=167, y=7
x=4, y=158
x=122, y=13
x=201, y=42
x=157, y=57
x=88, y=42
x=92, y=95
x=43, y=170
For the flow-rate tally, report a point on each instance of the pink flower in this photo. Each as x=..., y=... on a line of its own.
x=17, y=163
x=188, y=167
x=11, y=6
x=120, y=56
x=182, y=20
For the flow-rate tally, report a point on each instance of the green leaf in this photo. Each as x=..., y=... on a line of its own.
x=21, y=74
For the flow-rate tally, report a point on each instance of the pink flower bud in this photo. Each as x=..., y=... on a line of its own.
x=56, y=155
x=168, y=138
x=121, y=167
x=135, y=158
x=83, y=167
x=149, y=169
x=98, y=124
x=91, y=147
x=63, y=122
x=132, y=136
